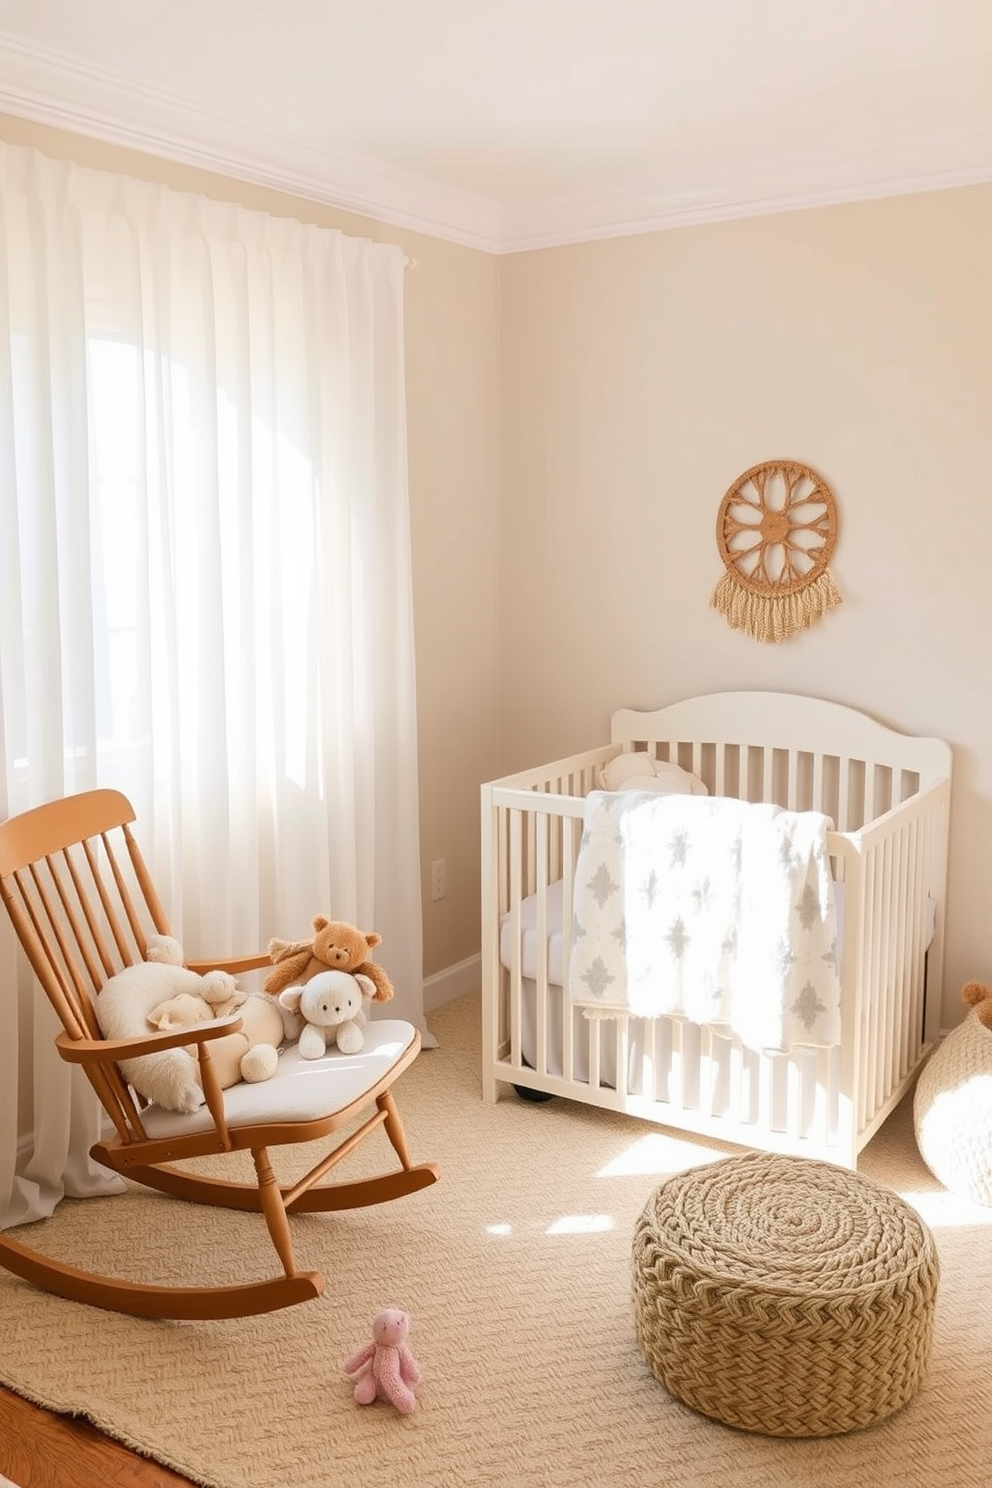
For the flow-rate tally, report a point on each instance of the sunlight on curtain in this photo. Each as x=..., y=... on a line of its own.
x=205, y=589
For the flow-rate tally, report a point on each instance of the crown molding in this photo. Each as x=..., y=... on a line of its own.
x=49, y=89
x=963, y=162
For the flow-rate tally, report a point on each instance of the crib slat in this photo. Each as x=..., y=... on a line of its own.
x=516, y=899
x=570, y=829
x=887, y=966
x=792, y=781
x=621, y=1034
x=595, y=1045
x=904, y=995
x=819, y=1125
x=819, y=797
x=910, y=1030
x=541, y=929
x=676, y=1075
x=871, y=781
x=720, y=771
x=915, y=936
x=735, y=1082
x=868, y=1091
x=793, y=1096
x=707, y=1071
x=843, y=795
x=880, y=981
x=764, y=1076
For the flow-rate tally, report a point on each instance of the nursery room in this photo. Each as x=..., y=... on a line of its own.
x=497, y=793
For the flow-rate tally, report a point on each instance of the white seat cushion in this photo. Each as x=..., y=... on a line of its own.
x=301, y=1089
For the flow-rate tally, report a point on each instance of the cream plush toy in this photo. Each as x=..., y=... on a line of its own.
x=168, y=1077
x=635, y=770
x=251, y=1054
x=331, y=1006
x=162, y=986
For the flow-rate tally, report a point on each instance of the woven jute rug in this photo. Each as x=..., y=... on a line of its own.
x=516, y=1269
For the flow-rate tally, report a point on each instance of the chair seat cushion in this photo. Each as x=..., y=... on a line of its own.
x=301, y=1089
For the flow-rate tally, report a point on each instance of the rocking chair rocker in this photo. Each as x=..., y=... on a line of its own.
x=82, y=904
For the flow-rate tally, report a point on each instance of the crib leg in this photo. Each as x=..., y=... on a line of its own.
x=538, y=1096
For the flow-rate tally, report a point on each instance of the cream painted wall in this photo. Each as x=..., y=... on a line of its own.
x=452, y=407
x=640, y=376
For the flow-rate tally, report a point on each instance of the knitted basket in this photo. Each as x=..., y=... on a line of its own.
x=784, y=1295
x=952, y=1110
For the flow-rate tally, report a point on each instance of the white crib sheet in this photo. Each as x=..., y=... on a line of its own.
x=528, y=932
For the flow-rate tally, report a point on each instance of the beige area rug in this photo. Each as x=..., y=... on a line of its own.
x=515, y=1268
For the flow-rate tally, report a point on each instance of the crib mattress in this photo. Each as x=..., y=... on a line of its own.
x=529, y=942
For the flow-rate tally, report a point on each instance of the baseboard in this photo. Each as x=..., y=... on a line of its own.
x=454, y=981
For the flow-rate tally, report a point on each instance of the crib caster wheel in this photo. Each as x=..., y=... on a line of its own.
x=538, y=1096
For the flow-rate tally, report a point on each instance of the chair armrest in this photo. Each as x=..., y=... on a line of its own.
x=109, y=1051
x=232, y=964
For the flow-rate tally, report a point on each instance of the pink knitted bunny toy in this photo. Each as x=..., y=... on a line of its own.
x=385, y=1369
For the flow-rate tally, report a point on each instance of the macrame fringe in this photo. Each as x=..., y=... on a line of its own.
x=774, y=617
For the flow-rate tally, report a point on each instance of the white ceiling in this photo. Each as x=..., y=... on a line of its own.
x=510, y=124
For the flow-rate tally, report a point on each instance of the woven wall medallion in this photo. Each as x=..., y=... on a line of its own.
x=776, y=530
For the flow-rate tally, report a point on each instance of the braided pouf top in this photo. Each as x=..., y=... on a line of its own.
x=784, y=1295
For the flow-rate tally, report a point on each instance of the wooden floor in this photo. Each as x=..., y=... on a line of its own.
x=42, y=1450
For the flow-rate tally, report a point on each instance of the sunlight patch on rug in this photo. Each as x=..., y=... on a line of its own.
x=657, y=1155
x=941, y=1209
x=581, y=1224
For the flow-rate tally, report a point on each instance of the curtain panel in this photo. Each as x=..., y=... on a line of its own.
x=205, y=585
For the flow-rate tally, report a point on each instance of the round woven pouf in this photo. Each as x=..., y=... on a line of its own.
x=784, y=1295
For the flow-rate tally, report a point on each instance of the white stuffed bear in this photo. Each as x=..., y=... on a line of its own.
x=332, y=1007
x=161, y=993
x=168, y=1077
x=635, y=770
x=252, y=1053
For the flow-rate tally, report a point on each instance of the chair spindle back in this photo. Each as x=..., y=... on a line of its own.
x=82, y=903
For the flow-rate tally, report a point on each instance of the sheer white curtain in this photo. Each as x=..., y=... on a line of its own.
x=205, y=589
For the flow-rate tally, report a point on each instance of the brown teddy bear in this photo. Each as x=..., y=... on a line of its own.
x=976, y=995
x=334, y=946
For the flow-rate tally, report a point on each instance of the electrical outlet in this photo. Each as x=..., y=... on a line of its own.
x=439, y=878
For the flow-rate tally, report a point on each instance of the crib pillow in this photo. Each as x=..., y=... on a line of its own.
x=636, y=770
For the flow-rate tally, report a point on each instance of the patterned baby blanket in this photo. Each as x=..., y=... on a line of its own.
x=709, y=908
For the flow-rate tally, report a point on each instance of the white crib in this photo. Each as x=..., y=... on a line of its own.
x=888, y=795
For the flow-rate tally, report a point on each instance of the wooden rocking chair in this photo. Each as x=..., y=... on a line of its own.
x=82, y=903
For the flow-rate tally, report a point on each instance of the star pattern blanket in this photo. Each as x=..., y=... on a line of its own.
x=709, y=908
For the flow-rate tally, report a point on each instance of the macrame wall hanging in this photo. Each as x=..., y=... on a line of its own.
x=776, y=530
